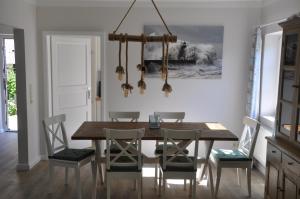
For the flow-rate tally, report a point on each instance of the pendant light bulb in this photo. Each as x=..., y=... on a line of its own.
x=167, y=89
x=167, y=93
x=120, y=72
x=126, y=89
x=120, y=76
x=126, y=92
x=142, y=86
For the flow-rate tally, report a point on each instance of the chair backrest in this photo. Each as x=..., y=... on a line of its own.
x=177, y=116
x=117, y=116
x=249, y=136
x=170, y=155
x=130, y=145
x=55, y=133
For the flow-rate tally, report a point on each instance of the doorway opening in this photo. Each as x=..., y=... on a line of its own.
x=8, y=88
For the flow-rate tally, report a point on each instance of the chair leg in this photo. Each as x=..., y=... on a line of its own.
x=78, y=183
x=94, y=173
x=101, y=171
x=211, y=181
x=249, y=180
x=155, y=176
x=159, y=183
x=194, y=187
x=164, y=186
x=142, y=185
x=51, y=177
x=219, y=169
x=140, y=189
x=66, y=175
x=238, y=173
x=107, y=187
x=98, y=159
x=190, y=191
x=105, y=177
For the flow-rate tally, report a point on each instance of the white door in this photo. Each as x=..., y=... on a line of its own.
x=71, y=82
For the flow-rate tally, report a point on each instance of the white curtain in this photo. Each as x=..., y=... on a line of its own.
x=253, y=98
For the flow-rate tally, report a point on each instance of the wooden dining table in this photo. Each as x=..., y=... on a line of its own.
x=208, y=131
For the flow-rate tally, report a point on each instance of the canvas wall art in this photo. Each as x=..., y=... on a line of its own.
x=197, y=54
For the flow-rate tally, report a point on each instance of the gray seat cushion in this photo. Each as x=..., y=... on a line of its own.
x=178, y=159
x=159, y=149
x=72, y=154
x=124, y=159
x=229, y=155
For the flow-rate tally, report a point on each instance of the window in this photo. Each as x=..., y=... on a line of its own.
x=270, y=77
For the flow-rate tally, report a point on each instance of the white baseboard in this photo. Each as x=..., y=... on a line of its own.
x=23, y=167
x=34, y=162
x=27, y=167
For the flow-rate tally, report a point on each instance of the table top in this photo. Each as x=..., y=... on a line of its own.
x=208, y=131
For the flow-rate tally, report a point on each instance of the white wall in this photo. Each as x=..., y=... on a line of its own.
x=221, y=100
x=20, y=14
x=277, y=10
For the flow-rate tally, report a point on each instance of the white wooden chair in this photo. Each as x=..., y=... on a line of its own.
x=239, y=158
x=119, y=116
x=124, y=164
x=176, y=117
x=175, y=163
x=60, y=154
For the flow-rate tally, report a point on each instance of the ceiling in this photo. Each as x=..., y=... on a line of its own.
x=172, y=3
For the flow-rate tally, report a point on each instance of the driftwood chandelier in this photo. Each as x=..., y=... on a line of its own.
x=143, y=39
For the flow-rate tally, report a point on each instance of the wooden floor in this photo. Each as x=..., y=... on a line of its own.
x=33, y=184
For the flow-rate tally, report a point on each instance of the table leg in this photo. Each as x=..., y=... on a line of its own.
x=210, y=145
x=98, y=159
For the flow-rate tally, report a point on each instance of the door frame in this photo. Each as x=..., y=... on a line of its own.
x=4, y=107
x=47, y=68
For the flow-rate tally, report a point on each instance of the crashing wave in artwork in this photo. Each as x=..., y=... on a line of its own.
x=197, y=59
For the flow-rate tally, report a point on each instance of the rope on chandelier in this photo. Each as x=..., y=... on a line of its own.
x=143, y=39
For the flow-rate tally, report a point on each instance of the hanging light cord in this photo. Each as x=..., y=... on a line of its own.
x=162, y=19
x=167, y=60
x=120, y=52
x=125, y=16
x=126, y=40
x=156, y=8
x=163, y=53
x=142, y=55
